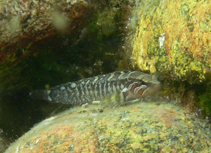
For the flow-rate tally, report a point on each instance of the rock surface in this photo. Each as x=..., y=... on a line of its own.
x=173, y=38
x=25, y=22
x=141, y=127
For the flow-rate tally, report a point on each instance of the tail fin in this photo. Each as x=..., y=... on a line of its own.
x=40, y=95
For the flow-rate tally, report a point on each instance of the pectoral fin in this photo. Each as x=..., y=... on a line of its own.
x=113, y=100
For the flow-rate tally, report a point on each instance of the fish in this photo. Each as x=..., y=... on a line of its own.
x=110, y=90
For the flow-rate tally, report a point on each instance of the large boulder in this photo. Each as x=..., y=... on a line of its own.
x=173, y=37
x=142, y=127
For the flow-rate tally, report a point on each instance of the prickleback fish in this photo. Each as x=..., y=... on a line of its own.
x=111, y=89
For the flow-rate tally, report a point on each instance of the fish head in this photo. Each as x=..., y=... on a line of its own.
x=144, y=86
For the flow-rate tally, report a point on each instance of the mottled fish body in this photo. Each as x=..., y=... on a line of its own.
x=112, y=89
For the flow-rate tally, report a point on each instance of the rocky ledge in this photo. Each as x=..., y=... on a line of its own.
x=141, y=127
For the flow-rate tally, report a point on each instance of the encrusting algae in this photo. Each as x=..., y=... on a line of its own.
x=174, y=37
x=143, y=127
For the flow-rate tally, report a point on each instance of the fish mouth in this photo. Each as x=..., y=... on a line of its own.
x=157, y=86
x=152, y=89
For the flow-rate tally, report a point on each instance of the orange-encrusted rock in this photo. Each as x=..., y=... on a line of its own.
x=142, y=127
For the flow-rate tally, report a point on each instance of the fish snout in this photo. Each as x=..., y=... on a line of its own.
x=152, y=89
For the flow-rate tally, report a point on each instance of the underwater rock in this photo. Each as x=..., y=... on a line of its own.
x=23, y=22
x=141, y=127
x=173, y=38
